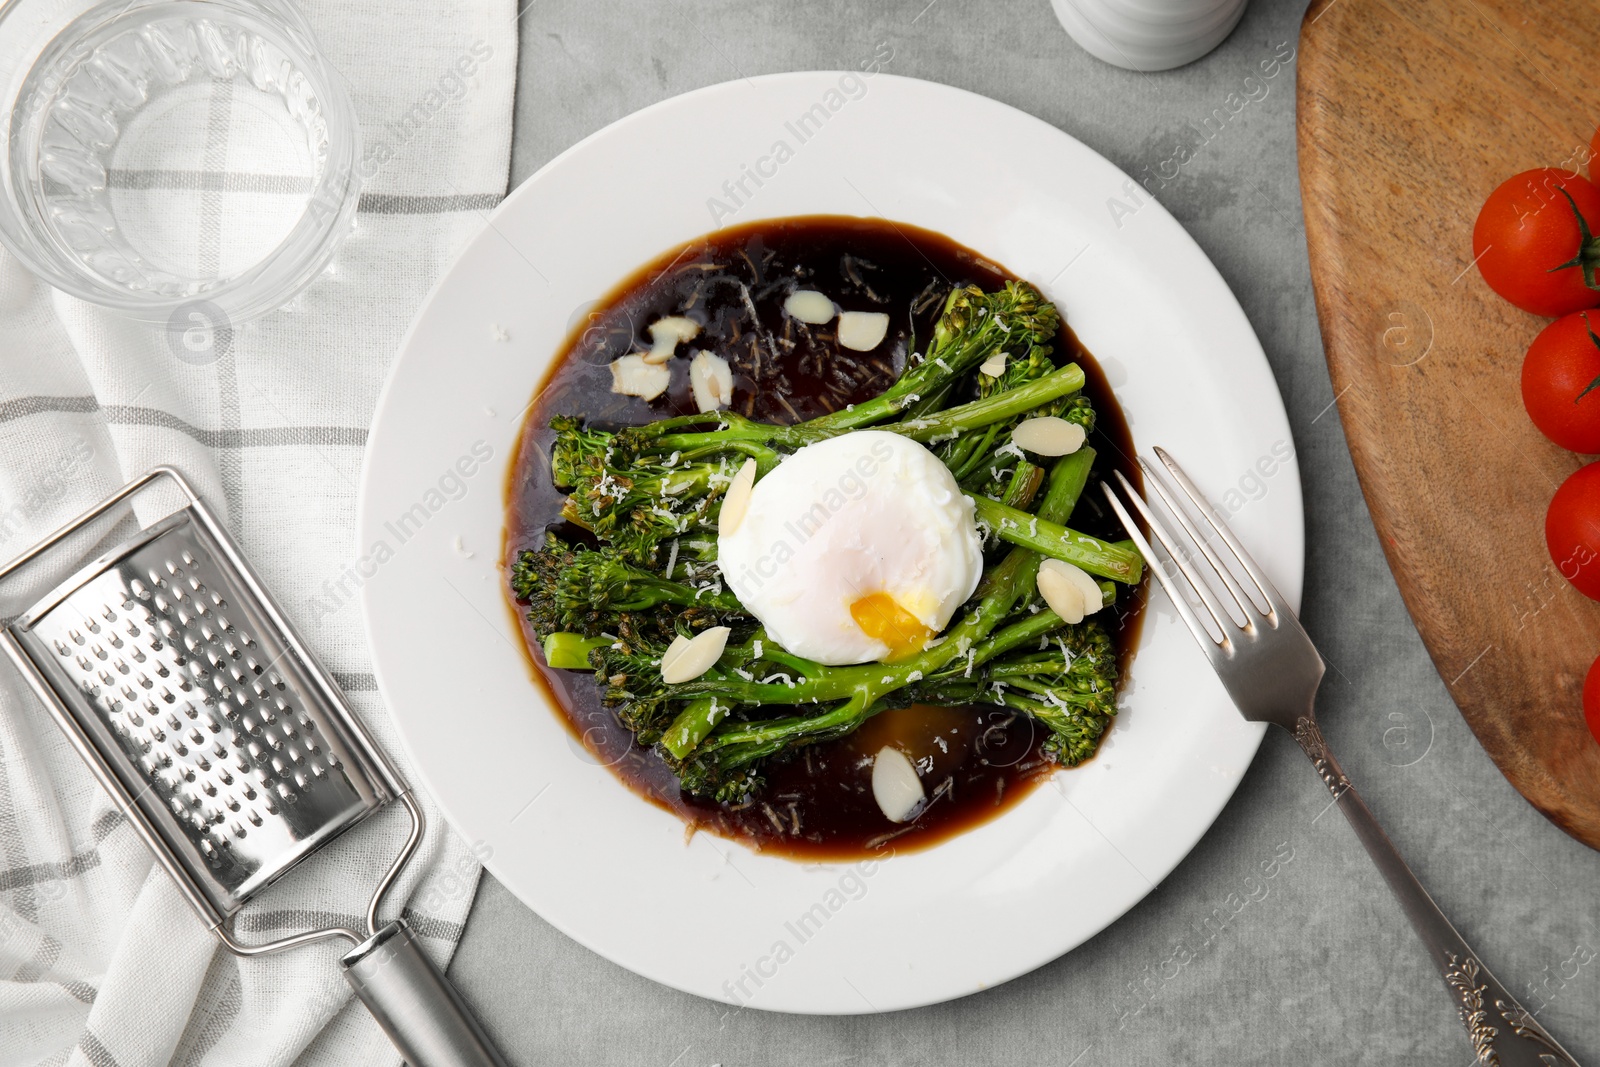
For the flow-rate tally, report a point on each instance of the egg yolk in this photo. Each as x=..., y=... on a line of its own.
x=882, y=619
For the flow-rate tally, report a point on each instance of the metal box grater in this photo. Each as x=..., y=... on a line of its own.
x=230, y=749
x=202, y=711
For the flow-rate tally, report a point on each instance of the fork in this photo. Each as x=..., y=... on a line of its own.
x=1271, y=669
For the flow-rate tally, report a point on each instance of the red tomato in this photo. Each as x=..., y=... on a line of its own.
x=1591, y=700
x=1535, y=247
x=1561, y=382
x=1572, y=530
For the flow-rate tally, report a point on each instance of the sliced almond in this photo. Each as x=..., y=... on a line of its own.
x=862, y=331
x=711, y=380
x=1093, y=598
x=1061, y=593
x=674, y=650
x=994, y=366
x=693, y=657
x=665, y=334
x=1048, y=436
x=632, y=376
x=808, y=305
x=737, y=499
x=895, y=785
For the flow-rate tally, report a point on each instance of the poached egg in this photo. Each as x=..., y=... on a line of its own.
x=854, y=549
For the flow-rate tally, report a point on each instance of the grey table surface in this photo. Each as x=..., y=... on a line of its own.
x=1316, y=965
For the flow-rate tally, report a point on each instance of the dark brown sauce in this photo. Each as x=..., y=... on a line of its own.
x=817, y=805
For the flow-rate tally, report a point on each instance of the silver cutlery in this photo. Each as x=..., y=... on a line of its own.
x=1271, y=669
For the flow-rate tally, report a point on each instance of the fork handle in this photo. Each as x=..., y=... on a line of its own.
x=1503, y=1033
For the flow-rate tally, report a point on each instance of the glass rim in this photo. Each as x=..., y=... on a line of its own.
x=276, y=277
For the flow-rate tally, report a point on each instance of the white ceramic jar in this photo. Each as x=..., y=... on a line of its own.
x=1149, y=34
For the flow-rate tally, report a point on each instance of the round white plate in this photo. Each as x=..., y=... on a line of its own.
x=616, y=873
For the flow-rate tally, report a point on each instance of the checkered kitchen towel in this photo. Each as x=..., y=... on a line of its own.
x=101, y=961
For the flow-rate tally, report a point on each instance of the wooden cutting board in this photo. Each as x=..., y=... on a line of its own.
x=1410, y=113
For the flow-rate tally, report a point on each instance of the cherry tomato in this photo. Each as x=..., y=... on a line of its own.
x=1561, y=382
x=1591, y=699
x=1536, y=247
x=1572, y=530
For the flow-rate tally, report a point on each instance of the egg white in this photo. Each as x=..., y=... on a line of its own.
x=867, y=512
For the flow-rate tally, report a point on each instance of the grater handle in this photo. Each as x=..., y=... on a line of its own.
x=415, y=1004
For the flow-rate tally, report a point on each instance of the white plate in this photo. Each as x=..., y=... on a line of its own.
x=614, y=872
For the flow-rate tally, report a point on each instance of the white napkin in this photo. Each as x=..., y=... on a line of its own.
x=101, y=961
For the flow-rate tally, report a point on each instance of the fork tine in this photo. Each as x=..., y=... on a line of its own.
x=1263, y=584
x=1179, y=602
x=1238, y=594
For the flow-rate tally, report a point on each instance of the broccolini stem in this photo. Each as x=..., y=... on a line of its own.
x=693, y=725
x=996, y=407
x=1118, y=560
x=570, y=651
x=1068, y=477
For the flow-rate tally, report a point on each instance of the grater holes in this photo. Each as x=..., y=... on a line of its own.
x=121, y=666
x=77, y=638
x=90, y=625
x=254, y=816
x=187, y=557
x=137, y=653
x=275, y=680
x=107, y=614
x=162, y=604
x=61, y=647
x=99, y=653
x=139, y=589
x=116, y=642
x=85, y=665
